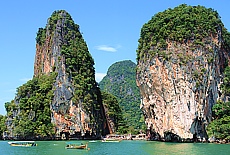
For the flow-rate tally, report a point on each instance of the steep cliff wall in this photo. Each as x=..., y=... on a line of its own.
x=180, y=68
x=76, y=107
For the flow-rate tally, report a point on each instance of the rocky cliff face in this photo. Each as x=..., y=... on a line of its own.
x=76, y=107
x=180, y=83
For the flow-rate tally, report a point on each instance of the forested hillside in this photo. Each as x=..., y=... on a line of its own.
x=121, y=82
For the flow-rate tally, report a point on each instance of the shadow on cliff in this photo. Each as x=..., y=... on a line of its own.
x=171, y=137
x=198, y=129
x=168, y=137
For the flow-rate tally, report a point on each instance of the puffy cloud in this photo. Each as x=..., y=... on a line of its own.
x=106, y=48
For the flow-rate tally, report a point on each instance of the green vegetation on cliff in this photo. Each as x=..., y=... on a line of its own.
x=29, y=115
x=181, y=24
x=79, y=63
x=2, y=125
x=220, y=126
x=112, y=109
x=121, y=82
x=60, y=46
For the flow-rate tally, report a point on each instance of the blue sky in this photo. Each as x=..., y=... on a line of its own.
x=111, y=30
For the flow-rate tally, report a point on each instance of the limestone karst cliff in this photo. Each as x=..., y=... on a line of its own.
x=181, y=57
x=76, y=106
x=63, y=99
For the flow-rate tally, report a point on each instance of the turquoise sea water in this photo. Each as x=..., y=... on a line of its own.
x=121, y=148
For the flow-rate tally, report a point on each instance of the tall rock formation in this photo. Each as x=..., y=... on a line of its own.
x=181, y=57
x=76, y=107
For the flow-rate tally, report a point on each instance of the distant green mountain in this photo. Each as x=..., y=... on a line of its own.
x=121, y=82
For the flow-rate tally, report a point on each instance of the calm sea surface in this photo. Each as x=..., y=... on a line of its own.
x=121, y=148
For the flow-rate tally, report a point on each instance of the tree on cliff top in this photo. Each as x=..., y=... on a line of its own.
x=180, y=24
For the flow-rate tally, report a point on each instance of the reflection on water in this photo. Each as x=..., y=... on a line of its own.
x=121, y=148
x=161, y=148
x=171, y=148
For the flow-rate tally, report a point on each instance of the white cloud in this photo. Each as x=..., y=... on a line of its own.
x=99, y=76
x=25, y=79
x=106, y=48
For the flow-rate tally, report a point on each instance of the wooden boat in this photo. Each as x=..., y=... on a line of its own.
x=22, y=143
x=112, y=138
x=75, y=146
